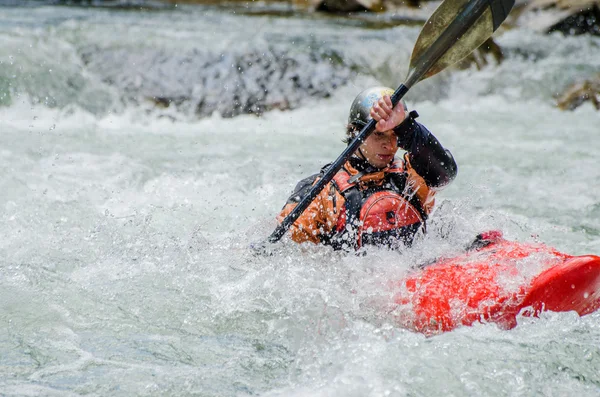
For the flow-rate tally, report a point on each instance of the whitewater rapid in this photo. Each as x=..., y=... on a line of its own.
x=125, y=267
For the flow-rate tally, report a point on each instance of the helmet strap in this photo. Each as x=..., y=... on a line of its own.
x=362, y=154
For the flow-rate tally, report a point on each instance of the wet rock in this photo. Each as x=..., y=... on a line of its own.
x=410, y=10
x=579, y=93
x=339, y=6
x=572, y=17
x=583, y=20
x=199, y=83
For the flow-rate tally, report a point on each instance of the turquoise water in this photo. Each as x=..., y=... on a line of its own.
x=125, y=267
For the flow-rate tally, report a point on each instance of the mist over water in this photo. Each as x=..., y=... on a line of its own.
x=125, y=267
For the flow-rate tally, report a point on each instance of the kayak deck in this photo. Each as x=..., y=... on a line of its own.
x=494, y=284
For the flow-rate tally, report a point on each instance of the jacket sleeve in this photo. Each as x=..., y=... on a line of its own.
x=426, y=154
x=320, y=217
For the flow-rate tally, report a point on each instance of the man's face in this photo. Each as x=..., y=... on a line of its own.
x=380, y=148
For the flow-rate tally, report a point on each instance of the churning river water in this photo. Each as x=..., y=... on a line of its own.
x=125, y=223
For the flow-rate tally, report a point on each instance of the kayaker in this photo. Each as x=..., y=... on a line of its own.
x=375, y=198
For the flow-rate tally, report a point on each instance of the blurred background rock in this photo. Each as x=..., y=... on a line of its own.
x=568, y=17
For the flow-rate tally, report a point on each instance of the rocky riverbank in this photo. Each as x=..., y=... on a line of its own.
x=569, y=17
x=270, y=72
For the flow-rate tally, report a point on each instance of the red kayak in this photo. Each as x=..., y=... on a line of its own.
x=494, y=281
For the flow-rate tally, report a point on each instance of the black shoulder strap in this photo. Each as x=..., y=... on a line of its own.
x=346, y=239
x=302, y=189
x=354, y=203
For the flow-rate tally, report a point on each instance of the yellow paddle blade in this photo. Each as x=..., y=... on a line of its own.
x=454, y=30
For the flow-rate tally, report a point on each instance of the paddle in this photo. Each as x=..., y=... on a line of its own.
x=454, y=30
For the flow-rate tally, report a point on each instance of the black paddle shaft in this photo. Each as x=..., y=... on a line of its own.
x=450, y=37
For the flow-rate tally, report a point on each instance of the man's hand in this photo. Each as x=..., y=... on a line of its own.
x=386, y=117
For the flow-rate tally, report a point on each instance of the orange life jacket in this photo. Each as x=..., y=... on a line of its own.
x=380, y=212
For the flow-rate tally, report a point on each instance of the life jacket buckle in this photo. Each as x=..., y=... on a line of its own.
x=355, y=177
